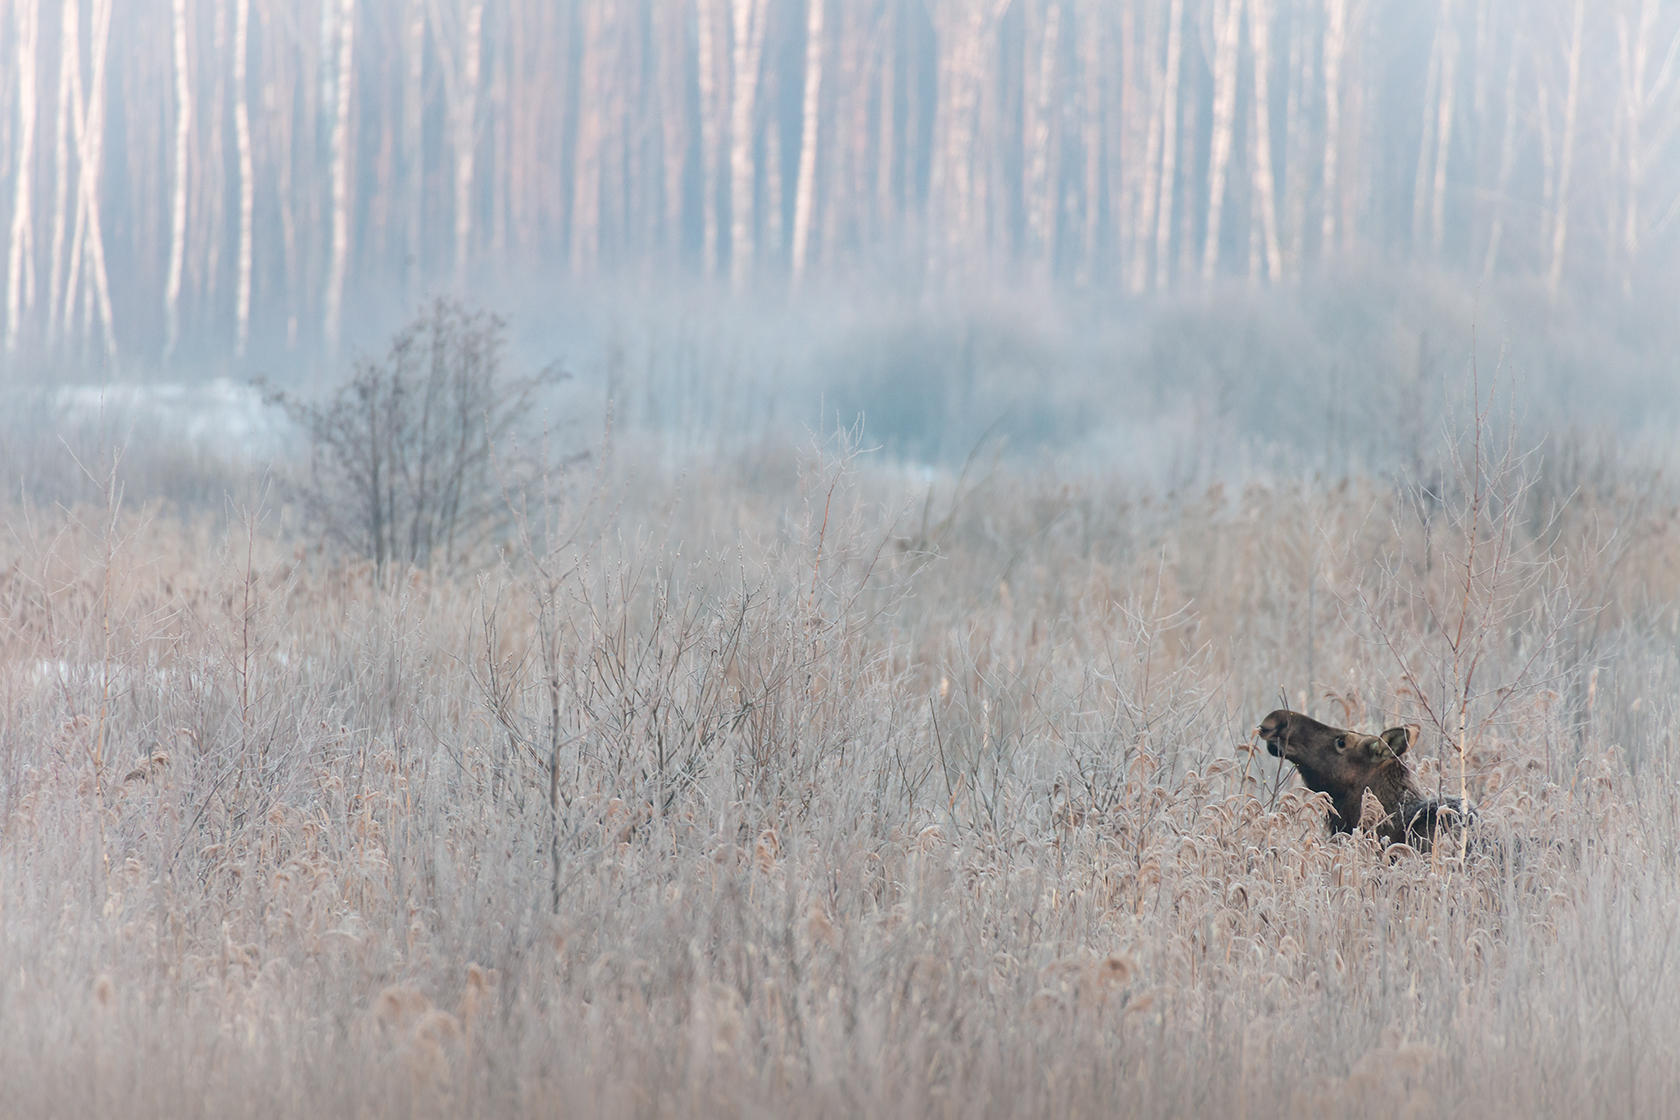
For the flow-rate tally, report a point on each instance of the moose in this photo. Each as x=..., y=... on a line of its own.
x=1349, y=765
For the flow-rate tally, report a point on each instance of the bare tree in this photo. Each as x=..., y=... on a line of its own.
x=411, y=455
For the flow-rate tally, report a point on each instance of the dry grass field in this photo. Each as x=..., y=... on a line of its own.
x=789, y=786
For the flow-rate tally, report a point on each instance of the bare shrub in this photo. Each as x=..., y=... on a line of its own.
x=405, y=456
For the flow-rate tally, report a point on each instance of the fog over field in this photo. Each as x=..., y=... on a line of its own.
x=721, y=557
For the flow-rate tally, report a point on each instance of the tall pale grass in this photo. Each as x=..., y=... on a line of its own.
x=768, y=795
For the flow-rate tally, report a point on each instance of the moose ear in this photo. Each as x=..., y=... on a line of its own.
x=1399, y=739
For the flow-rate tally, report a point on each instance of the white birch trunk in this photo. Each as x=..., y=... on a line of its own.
x=1265, y=184
x=247, y=185
x=748, y=20
x=91, y=156
x=340, y=259
x=671, y=67
x=1566, y=157
x=1229, y=23
x=805, y=188
x=1297, y=142
x=773, y=189
x=1638, y=94
x=711, y=112
x=1145, y=174
x=1507, y=160
x=1039, y=192
x=20, y=257
x=586, y=191
x=1443, y=128
x=178, y=205
x=69, y=67
x=87, y=123
x=1429, y=190
x=413, y=161
x=886, y=144
x=966, y=31
x=1169, y=146
x=1335, y=42
x=461, y=80
x=1090, y=32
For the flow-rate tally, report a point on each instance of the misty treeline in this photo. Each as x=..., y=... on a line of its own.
x=238, y=173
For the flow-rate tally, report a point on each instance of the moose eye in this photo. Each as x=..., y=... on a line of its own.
x=1341, y=742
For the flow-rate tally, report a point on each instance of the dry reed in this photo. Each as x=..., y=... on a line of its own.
x=758, y=800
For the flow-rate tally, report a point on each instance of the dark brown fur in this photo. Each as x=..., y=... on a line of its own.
x=1344, y=764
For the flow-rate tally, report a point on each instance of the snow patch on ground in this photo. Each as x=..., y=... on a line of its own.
x=219, y=417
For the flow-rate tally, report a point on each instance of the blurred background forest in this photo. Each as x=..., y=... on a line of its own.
x=245, y=172
x=1066, y=215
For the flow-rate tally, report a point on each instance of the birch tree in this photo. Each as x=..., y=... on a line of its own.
x=804, y=191
x=341, y=175
x=966, y=33
x=1335, y=43
x=20, y=256
x=1144, y=122
x=671, y=66
x=460, y=50
x=586, y=191
x=247, y=174
x=1642, y=94
x=178, y=195
x=1228, y=25
x=1296, y=139
x=1429, y=195
x=1092, y=65
x=1265, y=190
x=1507, y=161
x=86, y=121
x=1169, y=145
x=69, y=69
x=1038, y=191
x=712, y=103
x=413, y=150
x=747, y=23
x=1566, y=157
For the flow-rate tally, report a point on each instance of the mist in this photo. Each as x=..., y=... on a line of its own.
x=1062, y=223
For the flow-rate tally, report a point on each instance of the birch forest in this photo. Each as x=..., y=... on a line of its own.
x=215, y=176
